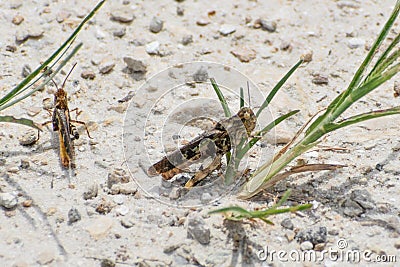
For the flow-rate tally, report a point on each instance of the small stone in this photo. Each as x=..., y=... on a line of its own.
x=116, y=177
x=206, y=198
x=26, y=70
x=33, y=111
x=46, y=257
x=153, y=48
x=128, y=222
x=352, y=208
x=24, y=164
x=198, y=229
x=48, y=103
x=106, y=67
x=62, y=16
x=99, y=227
x=315, y=235
x=91, y=192
x=107, y=263
x=268, y=25
x=363, y=198
x=156, y=25
x=203, y=21
x=13, y=170
x=290, y=236
x=18, y=19
x=320, y=79
x=307, y=57
x=285, y=46
x=11, y=48
x=28, y=138
x=180, y=11
x=104, y=207
x=120, y=32
x=122, y=15
x=175, y=193
x=287, y=223
x=306, y=245
x=118, y=199
x=27, y=203
x=170, y=249
x=8, y=200
x=88, y=74
x=225, y=30
x=122, y=210
x=32, y=33
x=397, y=244
x=244, y=54
x=135, y=65
x=187, y=39
x=201, y=75
x=73, y=216
x=354, y=43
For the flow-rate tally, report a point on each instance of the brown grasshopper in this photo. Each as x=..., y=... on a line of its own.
x=62, y=122
x=214, y=143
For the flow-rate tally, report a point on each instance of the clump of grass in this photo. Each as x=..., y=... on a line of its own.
x=26, y=87
x=367, y=78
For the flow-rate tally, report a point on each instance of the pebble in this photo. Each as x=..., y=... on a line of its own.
x=290, y=236
x=202, y=21
x=106, y=67
x=118, y=199
x=128, y=222
x=122, y=15
x=13, y=169
x=187, y=39
x=11, y=48
x=351, y=208
x=287, y=223
x=306, y=245
x=91, y=192
x=354, y=43
x=88, y=74
x=122, y=210
x=27, y=203
x=32, y=33
x=8, y=200
x=197, y=229
x=363, y=198
x=206, y=198
x=225, y=30
x=156, y=25
x=24, y=164
x=315, y=235
x=180, y=11
x=28, y=138
x=120, y=32
x=201, y=75
x=107, y=263
x=99, y=227
x=268, y=25
x=47, y=103
x=62, y=16
x=26, y=70
x=73, y=216
x=320, y=79
x=135, y=65
x=397, y=244
x=33, y=111
x=244, y=54
x=152, y=48
x=46, y=257
x=18, y=19
x=125, y=188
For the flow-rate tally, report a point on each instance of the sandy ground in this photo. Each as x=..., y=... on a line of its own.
x=99, y=215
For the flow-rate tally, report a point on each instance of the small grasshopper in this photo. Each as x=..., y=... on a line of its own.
x=61, y=121
x=215, y=143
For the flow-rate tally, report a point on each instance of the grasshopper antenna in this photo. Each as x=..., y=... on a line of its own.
x=68, y=74
x=248, y=92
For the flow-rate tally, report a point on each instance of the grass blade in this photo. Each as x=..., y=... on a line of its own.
x=278, y=86
x=221, y=98
x=241, y=98
x=23, y=121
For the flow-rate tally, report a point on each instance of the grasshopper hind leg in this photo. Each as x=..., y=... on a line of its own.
x=215, y=164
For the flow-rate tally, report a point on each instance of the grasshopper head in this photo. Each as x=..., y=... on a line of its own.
x=248, y=118
x=60, y=99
